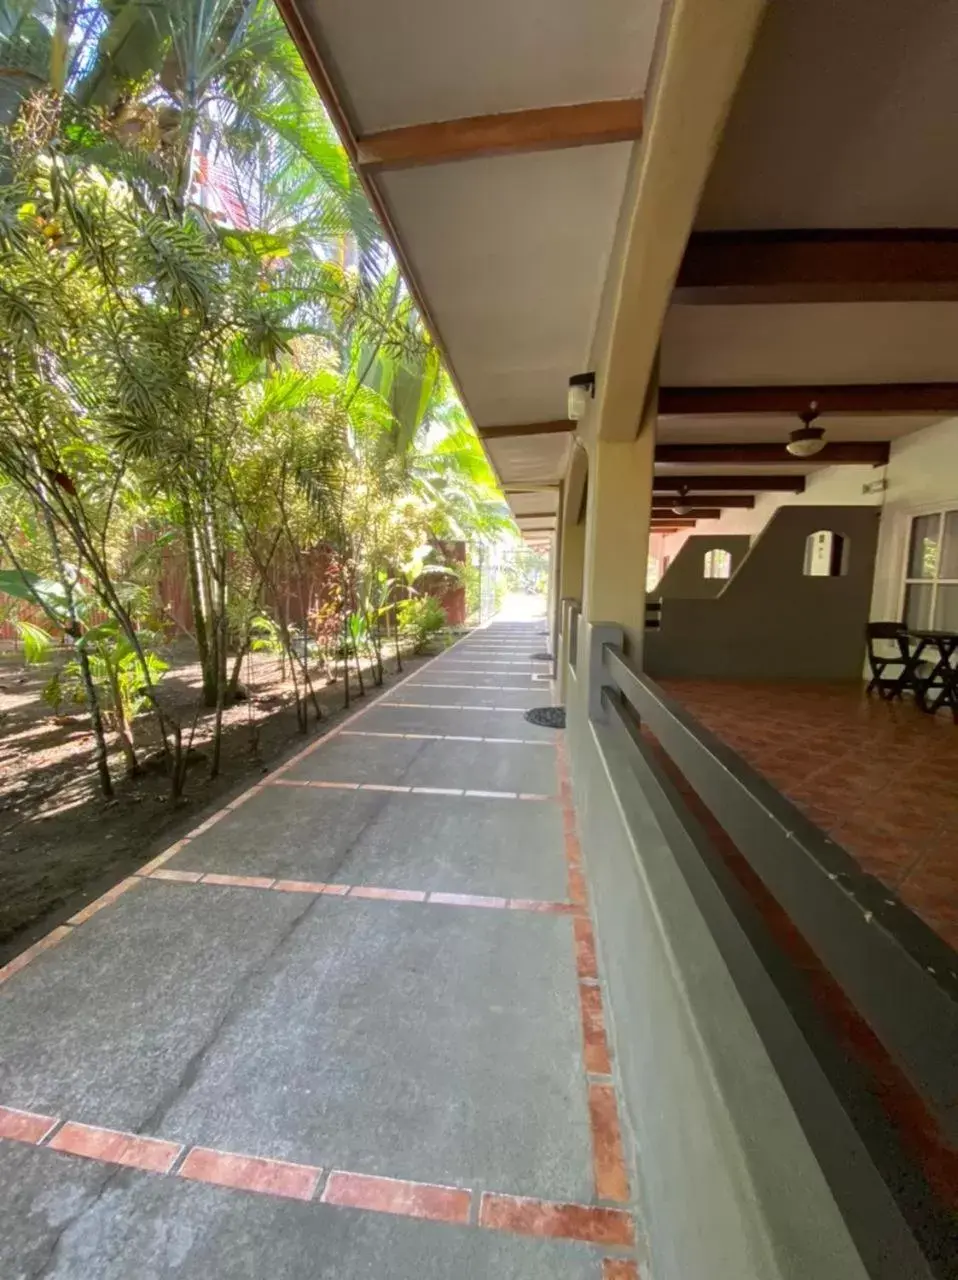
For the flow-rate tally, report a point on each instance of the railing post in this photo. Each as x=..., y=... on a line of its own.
x=561, y=656
x=600, y=634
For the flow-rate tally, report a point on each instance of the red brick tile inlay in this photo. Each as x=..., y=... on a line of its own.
x=24, y=1126
x=153, y=1155
x=180, y=877
x=596, y=1050
x=389, y=895
x=251, y=1173
x=619, y=1269
x=585, y=948
x=300, y=886
x=162, y=858
x=390, y=1195
x=561, y=1221
x=608, y=1160
x=239, y=882
x=23, y=959
x=577, y=888
x=534, y=904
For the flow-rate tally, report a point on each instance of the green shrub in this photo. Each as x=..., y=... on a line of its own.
x=420, y=618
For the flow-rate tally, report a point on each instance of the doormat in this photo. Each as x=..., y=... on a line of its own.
x=547, y=717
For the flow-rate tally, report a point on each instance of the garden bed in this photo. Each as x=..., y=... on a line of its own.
x=60, y=841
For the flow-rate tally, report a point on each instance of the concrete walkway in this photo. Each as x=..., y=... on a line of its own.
x=351, y=1027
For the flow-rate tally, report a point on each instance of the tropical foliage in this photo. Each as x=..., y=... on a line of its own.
x=206, y=352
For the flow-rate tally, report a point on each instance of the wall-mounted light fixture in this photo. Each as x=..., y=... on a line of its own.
x=581, y=391
x=807, y=440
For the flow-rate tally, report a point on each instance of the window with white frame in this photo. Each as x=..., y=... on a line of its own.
x=931, y=573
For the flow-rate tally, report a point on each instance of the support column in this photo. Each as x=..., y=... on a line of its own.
x=617, y=531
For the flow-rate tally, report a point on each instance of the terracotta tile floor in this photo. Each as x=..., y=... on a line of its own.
x=881, y=778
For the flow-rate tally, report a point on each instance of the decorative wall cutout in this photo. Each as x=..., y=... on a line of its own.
x=826, y=554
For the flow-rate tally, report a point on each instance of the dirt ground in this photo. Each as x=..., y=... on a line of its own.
x=61, y=843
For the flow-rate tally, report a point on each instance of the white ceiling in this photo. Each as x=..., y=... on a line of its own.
x=524, y=504
x=805, y=343
x=846, y=117
x=530, y=459
x=416, y=61
x=511, y=253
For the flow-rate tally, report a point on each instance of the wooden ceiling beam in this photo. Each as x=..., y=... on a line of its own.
x=841, y=453
x=691, y=485
x=740, y=501
x=556, y=427
x=885, y=265
x=676, y=522
x=584, y=124
x=693, y=513
x=900, y=398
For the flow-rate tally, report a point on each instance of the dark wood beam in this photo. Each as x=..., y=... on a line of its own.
x=584, y=124
x=535, y=515
x=693, y=513
x=886, y=265
x=742, y=501
x=728, y=484
x=841, y=452
x=676, y=522
x=556, y=427
x=882, y=397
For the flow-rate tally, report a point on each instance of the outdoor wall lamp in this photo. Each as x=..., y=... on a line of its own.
x=807, y=440
x=581, y=391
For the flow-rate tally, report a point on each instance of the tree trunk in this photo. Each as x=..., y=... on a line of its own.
x=96, y=718
x=345, y=662
x=199, y=606
x=220, y=656
x=359, y=669
x=123, y=727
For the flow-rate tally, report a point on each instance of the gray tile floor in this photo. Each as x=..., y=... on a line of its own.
x=406, y=1039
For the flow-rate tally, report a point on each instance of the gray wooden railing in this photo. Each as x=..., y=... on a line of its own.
x=899, y=976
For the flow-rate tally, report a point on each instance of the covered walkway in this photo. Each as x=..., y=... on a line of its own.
x=351, y=1026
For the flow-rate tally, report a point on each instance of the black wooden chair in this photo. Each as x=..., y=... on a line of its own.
x=887, y=644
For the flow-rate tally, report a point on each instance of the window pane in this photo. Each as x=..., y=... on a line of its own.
x=717, y=564
x=918, y=607
x=923, y=555
x=946, y=609
x=949, y=550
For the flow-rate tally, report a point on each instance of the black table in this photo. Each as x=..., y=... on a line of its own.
x=940, y=688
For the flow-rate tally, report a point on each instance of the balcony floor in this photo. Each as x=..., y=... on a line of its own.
x=881, y=778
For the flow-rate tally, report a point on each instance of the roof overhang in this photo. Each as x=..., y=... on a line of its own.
x=494, y=142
